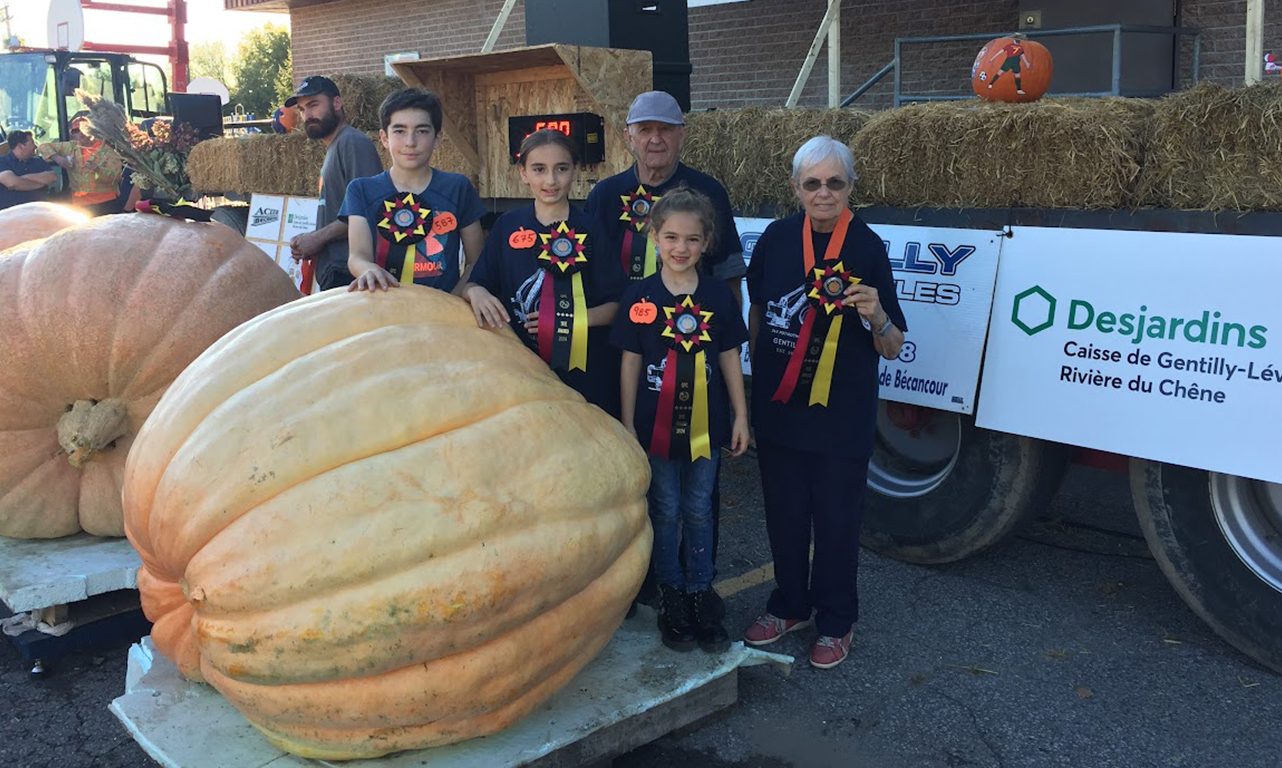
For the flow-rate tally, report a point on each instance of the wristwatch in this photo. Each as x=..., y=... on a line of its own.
x=884, y=326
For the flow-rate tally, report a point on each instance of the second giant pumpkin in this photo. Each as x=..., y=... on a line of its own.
x=96, y=320
x=374, y=527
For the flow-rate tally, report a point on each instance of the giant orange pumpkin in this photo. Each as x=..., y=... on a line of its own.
x=375, y=527
x=1011, y=69
x=95, y=322
x=32, y=221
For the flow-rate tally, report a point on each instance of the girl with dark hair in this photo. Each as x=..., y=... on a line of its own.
x=544, y=270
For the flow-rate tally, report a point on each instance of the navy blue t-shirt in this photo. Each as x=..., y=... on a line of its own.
x=607, y=202
x=514, y=276
x=436, y=263
x=12, y=197
x=727, y=331
x=776, y=288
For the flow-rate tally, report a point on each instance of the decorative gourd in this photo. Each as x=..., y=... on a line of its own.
x=375, y=527
x=1011, y=69
x=95, y=322
x=32, y=221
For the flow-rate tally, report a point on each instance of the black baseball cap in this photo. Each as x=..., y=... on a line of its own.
x=311, y=86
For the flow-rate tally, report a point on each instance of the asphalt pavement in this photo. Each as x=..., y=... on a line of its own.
x=1065, y=647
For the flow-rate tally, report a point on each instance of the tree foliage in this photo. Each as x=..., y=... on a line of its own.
x=261, y=71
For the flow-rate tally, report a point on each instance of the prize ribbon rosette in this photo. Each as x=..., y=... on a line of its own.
x=681, y=419
x=563, y=309
x=403, y=225
x=815, y=355
x=637, y=252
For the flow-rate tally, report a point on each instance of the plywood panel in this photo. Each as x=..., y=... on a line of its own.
x=480, y=92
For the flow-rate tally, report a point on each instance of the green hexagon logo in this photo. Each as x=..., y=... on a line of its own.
x=1033, y=310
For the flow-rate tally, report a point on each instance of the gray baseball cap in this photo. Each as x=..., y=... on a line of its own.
x=656, y=106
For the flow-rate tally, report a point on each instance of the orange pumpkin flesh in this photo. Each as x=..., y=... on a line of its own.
x=392, y=529
x=32, y=221
x=97, y=320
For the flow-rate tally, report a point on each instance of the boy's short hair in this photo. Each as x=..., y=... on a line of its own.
x=18, y=138
x=411, y=98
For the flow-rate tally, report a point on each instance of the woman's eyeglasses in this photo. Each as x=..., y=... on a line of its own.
x=834, y=184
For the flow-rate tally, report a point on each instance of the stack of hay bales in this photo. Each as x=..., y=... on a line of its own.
x=1073, y=153
x=1207, y=148
x=1215, y=148
x=750, y=150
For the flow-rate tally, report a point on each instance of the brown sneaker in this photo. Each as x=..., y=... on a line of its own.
x=828, y=652
x=769, y=628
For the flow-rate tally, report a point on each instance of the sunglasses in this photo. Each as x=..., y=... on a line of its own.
x=834, y=184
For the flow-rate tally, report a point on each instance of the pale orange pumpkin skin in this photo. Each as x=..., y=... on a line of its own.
x=97, y=320
x=393, y=529
x=32, y=221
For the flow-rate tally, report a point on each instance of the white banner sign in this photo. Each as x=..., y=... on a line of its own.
x=274, y=220
x=944, y=280
x=1164, y=346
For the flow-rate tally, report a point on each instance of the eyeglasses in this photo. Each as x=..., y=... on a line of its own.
x=834, y=184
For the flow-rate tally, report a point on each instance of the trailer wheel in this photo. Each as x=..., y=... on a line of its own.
x=234, y=216
x=1218, y=539
x=944, y=489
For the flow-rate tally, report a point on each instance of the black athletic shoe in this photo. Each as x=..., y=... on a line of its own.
x=706, y=610
x=674, y=619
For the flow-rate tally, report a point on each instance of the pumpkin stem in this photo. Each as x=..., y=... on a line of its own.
x=89, y=427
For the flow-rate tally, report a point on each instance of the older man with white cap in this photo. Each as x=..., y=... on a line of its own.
x=656, y=131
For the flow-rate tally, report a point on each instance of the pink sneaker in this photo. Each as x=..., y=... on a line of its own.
x=768, y=628
x=828, y=652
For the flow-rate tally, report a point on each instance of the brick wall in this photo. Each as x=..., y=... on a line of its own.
x=743, y=53
x=351, y=36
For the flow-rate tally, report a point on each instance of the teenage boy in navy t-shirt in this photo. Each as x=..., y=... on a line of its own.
x=405, y=224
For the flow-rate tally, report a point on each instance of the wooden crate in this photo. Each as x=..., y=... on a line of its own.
x=480, y=91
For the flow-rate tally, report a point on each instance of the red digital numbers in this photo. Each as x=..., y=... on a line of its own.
x=554, y=125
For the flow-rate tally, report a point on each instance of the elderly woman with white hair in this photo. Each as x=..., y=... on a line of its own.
x=824, y=312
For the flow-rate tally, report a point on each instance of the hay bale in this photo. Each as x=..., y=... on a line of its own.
x=750, y=150
x=286, y=164
x=281, y=164
x=1067, y=153
x=362, y=94
x=1216, y=148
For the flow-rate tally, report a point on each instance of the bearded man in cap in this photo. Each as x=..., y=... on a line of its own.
x=349, y=154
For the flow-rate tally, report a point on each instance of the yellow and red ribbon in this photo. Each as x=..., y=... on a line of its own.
x=814, y=359
x=681, y=418
x=637, y=253
x=563, y=307
x=404, y=224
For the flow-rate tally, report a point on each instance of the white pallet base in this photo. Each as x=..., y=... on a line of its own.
x=40, y=573
x=633, y=692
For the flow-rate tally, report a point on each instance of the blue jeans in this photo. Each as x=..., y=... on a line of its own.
x=681, y=513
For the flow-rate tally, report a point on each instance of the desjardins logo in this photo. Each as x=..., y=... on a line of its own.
x=1035, y=310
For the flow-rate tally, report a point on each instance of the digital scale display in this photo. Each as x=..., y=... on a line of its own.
x=586, y=132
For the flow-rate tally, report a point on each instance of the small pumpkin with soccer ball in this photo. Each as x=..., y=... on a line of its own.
x=1011, y=69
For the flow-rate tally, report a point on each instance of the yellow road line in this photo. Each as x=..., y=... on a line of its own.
x=737, y=584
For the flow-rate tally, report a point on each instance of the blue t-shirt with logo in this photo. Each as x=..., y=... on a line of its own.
x=12, y=197
x=447, y=196
x=726, y=331
x=777, y=289
x=514, y=275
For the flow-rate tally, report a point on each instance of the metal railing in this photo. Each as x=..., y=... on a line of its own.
x=895, y=65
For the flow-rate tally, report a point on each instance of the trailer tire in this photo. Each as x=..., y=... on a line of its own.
x=992, y=484
x=1177, y=508
x=234, y=216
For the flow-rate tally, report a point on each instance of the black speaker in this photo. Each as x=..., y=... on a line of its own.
x=658, y=26
x=202, y=111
